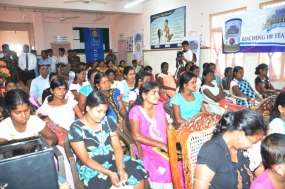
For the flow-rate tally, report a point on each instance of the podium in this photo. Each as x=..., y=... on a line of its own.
x=27, y=164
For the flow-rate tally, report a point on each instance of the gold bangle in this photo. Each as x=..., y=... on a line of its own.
x=202, y=181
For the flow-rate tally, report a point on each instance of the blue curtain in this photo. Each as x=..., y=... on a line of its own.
x=93, y=41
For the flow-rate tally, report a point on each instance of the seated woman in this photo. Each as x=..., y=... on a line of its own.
x=187, y=68
x=148, y=126
x=221, y=162
x=47, y=92
x=121, y=68
x=116, y=110
x=212, y=66
x=95, y=64
x=277, y=115
x=187, y=103
x=262, y=83
x=79, y=81
x=242, y=88
x=141, y=77
x=87, y=89
x=114, y=83
x=111, y=65
x=102, y=66
x=9, y=85
x=167, y=81
x=195, y=70
x=273, y=155
x=148, y=69
x=226, y=81
x=100, y=160
x=128, y=83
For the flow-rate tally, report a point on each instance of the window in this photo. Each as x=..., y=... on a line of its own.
x=274, y=60
x=223, y=60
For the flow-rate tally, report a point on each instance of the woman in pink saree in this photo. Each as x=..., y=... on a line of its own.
x=148, y=126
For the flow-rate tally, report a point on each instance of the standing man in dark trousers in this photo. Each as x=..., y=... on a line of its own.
x=27, y=64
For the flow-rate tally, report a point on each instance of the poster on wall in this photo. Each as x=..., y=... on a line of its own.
x=138, y=46
x=255, y=31
x=129, y=44
x=194, y=46
x=167, y=29
x=93, y=42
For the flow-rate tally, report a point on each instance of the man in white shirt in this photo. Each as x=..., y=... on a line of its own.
x=64, y=72
x=187, y=54
x=62, y=58
x=40, y=83
x=54, y=60
x=27, y=63
x=136, y=67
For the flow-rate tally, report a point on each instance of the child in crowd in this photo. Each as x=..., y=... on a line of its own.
x=60, y=132
x=148, y=69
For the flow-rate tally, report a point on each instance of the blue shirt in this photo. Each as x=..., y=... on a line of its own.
x=126, y=91
x=46, y=62
x=86, y=90
x=188, y=109
x=38, y=85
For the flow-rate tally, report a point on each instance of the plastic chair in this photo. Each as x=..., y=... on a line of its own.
x=191, y=135
x=241, y=98
x=60, y=161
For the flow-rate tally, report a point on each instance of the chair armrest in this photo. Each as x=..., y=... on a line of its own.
x=129, y=142
x=60, y=161
x=214, y=103
x=227, y=91
x=242, y=98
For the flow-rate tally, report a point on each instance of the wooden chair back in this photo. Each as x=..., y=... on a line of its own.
x=191, y=135
x=170, y=112
x=77, y=183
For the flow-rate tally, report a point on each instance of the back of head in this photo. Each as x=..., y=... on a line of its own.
x=95, y=99
x=184, y=79
x=273, y=150
x=147, y=68
x=15, y=98
x=260, y=67
x=249, y=121
x=279, y=101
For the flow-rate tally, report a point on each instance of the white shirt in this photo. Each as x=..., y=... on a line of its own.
x=188, y=55
x=137, y=69
x=133, y=95
x=62, y=59
x=76, y=87
x=53, y=64
x=32, y=61
x=38, y=85
x=118, y=85
x=8, y=131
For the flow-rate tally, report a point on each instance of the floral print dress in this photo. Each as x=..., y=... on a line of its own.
x=99, y=148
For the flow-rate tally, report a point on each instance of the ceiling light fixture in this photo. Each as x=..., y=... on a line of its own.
x=133, y=3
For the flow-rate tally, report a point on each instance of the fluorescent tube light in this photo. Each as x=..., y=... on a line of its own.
x=133, y=3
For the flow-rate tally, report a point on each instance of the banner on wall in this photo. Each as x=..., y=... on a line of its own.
x=255, y=31
x=167, y=29
x=93, y=41
x=194, y=46
x=138, y=46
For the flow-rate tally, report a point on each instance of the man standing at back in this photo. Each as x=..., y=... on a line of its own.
x=111, y=56
x=27, y=64
x=62, y=58
x=53, y=59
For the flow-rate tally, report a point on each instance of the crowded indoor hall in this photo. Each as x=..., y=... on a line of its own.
x=142, y=94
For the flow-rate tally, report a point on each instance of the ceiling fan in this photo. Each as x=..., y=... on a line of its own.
x=87, y=1
x=62, y=18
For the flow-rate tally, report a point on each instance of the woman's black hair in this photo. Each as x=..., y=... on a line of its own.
x=205, y=73
x=98, y=78
x=10, y=80
x=13, y=99
x=107, y=72
x=77, y=70
x=186, y=65
x=280, y=100
x=128, y=69
x=192, y=68
x=51, y=75
x=209, y=65
x=205, y=65
x=140, y=76
x=95, y=99
x=185, y=78
x=273, y=150
x=227, y=70
x=249, y=121
x=121, y=63
x=158, y=33
x=236, y=69
x=145, y=88
x=163, y=64
x=57, y=82
x=147, y=68
x=90, y=72
x=260, y=67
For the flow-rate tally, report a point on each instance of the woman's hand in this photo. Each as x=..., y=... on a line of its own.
x=114, y=179
x=123, y=175
x=164, y=147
